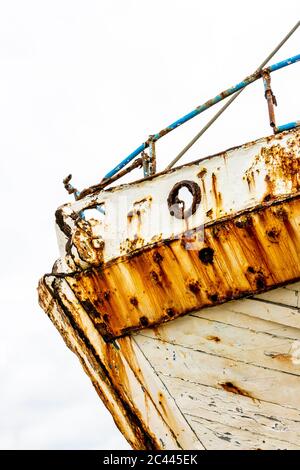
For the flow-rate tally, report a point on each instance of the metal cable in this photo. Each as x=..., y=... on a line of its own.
x=231, y=100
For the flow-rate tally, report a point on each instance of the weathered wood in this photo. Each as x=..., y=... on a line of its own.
x=256, y=382
x=284, y=315
x=216, y=436
x=246, y=321
x=121, y=374
x=259, y=348
x=233, y=410
x=289, y=296
x=214, y=379
x=168, y=280
x=137, y=214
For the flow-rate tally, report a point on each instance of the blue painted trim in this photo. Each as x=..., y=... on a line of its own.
x=288, y=126
x=126, y=160
x=201, y=108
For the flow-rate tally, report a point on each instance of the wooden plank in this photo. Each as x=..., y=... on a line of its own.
x=231, y=342
x=256, y=382
x=168, y=280
x=118, y=374
x=281, y=296
x=222, y=314
x=228, y=409
x=231, y=182
x=156, y=396
x=276, y=313
x=217, y=437
x=295, y=286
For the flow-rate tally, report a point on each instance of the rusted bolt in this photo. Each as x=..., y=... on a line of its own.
x=244, y=222
x=107, y=295
x=157, y=257
x=273, y=234
x=267, y=198
x=170, y=312
x=216, y=339
x=214, y=297
x=232, y=388
x=206, y=255
x=176, y=206
x=202, y=173
x=155, y=277
x=260, y=282
x=134, y=301
x=281, y=213
x=194, y=287
x=144, y=321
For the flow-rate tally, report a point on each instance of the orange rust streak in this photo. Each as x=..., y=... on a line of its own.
x=232, y=388
x=239, y=257
x=280, y=163
x=282, y=357
x=216, y=194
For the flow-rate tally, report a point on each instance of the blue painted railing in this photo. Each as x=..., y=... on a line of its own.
x=288, y=126
x=208, y=104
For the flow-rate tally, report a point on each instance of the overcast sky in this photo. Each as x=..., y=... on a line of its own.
x=82, y=83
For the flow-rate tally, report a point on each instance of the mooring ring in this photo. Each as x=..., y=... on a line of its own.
x=176, y=206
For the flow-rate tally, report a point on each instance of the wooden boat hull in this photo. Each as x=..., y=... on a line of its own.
x=225, y=377
x=191, y=338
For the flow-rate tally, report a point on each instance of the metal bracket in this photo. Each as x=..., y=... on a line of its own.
x=152, y=151
x=69, y=187
x=149, y=161
x=270, y=97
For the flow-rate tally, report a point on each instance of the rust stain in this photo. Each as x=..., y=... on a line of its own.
x=130, y=216
x=89, y=246
x=134, y=301
x=206, y=255
x=202, y=173
x=108, y=370
x=177, y=207
x=232, y=388
x=216, y=339
x=250, y=180
x=281, y=164
x=273, y=234
x=216, y=194
x=209, y=213
x=130, y=356
x=170, y=312
x=161, y=404
x=156, y=238
x=281, y=357
x=130, y=245
x=134, y=223
x=241, y=256
x=144, y=321
x=145, y=199
x=194, y=286
x=168, y=414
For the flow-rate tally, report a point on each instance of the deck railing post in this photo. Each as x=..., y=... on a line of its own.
x=152, y=151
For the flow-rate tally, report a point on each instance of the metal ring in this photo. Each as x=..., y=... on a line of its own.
x=176, y=206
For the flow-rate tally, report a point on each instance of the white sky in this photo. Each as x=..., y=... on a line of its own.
x=82, y=83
